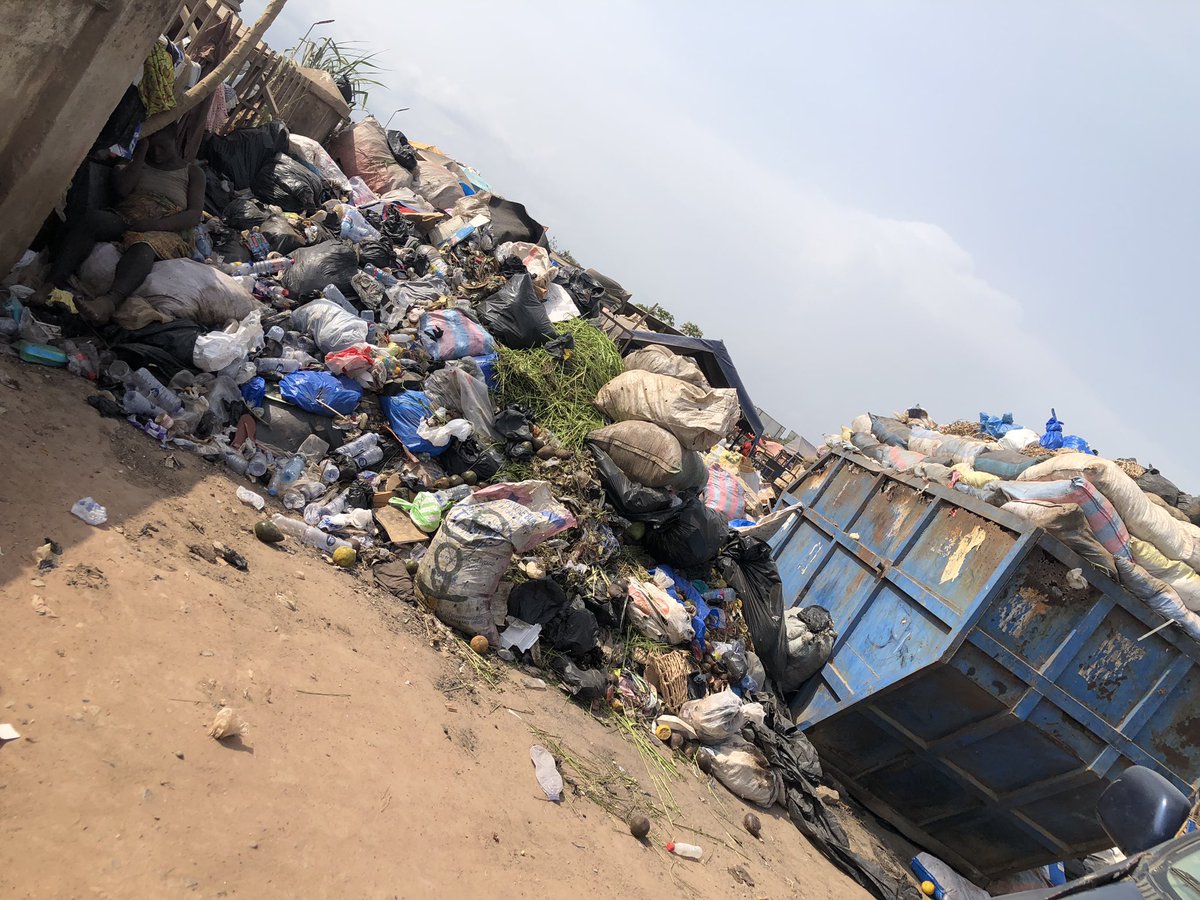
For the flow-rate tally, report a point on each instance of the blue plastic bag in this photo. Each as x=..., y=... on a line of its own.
x=405, y=412
x=1054, y=439
x=320, y=392
x=996, y=426
x=487, y=365
x=704, y=612
x=254, y=390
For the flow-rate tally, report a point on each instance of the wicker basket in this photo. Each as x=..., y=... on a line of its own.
x=668, y=673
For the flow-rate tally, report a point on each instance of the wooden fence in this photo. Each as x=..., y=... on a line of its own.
x=269, y=85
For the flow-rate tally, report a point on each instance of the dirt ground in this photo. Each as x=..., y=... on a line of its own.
x=375, y=761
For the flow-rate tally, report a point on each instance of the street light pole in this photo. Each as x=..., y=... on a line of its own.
x=393, y=115
x=307, y=33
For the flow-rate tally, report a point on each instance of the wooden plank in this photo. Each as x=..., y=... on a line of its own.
x=398, y=527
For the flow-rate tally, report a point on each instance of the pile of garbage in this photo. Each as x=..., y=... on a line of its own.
x=403, y=376
x=1128, y=521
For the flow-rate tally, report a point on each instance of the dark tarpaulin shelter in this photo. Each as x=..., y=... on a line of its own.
x=714, y=361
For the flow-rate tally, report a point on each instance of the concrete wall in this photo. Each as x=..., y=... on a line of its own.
x=64, y=66
x=319, y=109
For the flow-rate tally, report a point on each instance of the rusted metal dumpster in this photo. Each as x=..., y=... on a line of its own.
x=977, y=698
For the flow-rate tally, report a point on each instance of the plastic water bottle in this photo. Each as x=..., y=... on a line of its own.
x=359, y=444
x=286, y=474
x=315, y=512
x=275, y=365
x=354, y=226
x=720, y=595
x=547, y=773
x=306, y=534
x=333, y=295
x=276, y=333
x=313, y=448
x=367, y=458
x=258, y=464
x=138, y=404
x=156, y=391
x=235, y=461
x=204, y=247
x=330, y=472
x=250, y=498
x=450, y=496
x=687, y=851
x=301, y=493
x=383, y=276
x=90, y=511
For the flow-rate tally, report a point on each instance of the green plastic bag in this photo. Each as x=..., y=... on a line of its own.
x=424, y=510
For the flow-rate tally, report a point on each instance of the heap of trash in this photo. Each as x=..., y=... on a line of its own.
x=398, y=371
x=1127, y=520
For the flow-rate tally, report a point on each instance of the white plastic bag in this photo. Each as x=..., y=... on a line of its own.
x=560, y=306
x=441, y=435
x=218, y=350
x=657, y=614
x=329, y=325
x=745, y=771
x=309, y=151
x=715, y=718
x=1018, y=439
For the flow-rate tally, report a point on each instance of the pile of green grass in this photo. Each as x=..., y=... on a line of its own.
x=559, y=394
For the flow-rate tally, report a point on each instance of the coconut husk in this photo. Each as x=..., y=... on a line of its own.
x=1131, y=467
x=962, y=428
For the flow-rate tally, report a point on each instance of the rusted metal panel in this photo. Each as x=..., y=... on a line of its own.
x=975, y=698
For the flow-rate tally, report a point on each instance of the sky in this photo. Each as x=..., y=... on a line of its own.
x=988, y=206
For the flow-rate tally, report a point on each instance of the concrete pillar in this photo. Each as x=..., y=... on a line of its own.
x=64, y=66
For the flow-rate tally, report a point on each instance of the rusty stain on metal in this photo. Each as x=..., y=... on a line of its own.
x=1025, y=606
x=954, y=564
x=1108, y=667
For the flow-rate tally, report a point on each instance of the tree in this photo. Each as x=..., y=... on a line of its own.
x=564, y=252
x=659, y=312
x=340, y=60
x=691, y=329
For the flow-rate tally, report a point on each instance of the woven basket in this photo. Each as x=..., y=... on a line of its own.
x=668, y=672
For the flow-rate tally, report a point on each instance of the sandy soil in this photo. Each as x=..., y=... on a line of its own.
x=375, y=762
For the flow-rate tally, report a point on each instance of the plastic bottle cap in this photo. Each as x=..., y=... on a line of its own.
x=670, y=846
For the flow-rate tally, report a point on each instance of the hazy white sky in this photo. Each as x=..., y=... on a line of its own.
x=976, y=207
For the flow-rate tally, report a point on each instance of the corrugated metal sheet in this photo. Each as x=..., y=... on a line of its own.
x=974, y=699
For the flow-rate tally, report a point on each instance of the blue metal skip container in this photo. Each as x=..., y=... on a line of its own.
x=977, y=698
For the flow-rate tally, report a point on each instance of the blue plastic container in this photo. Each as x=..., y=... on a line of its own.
x=974, y=699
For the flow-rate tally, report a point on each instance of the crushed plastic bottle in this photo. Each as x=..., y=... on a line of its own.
x=90, y=511
x=687, y=851
x=250, y=498
x=157, y=392
x=547, y=772
x=306, y=534
x=286, y=474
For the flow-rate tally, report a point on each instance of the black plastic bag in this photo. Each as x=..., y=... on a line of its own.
x=243, y=213
x=516, y=317
x=1152, y=482
x=281, y=234
x=792, y=755
x=285, y=183
x=746, y=565
x=512, y=222
x=166, y=346
x=240, y=154
x=333, y=262
x=376, y=253
x=810, y=650
x=217, y=191
x=634, y=501
x=472, y=456
x=584, y=684
x=511, y=266
x=691, y=539
x=585, y=290
x=123, y=121
x=567, y=626
x=402, y=150
x=345, y=88
x=395, y=227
